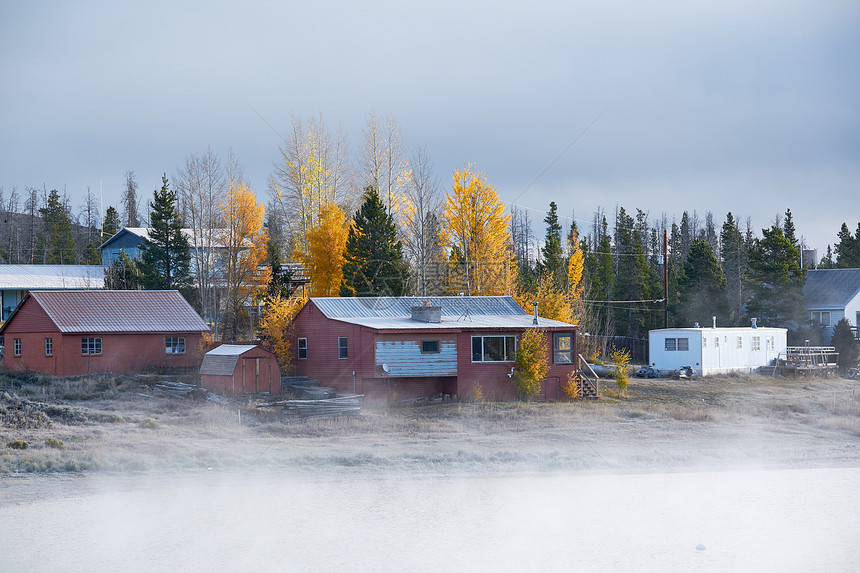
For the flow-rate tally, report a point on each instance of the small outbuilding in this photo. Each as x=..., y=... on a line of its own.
x=240, y=369
x=716, y=350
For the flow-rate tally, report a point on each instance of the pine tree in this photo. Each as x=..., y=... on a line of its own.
x=848, y=248
x=374, y=263
x=111, y=223
x=733, y=258
x=846, y=346
x=165, y=259
x=776, y=280
x=59, y=245
x=553, y=264
x=702, y=287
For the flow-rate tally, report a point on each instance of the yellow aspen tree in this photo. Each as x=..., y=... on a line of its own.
x=324, y=258
x=243, y=239
x=575, y=291
x=474, y=232
x=277, y=323
x=532, y=363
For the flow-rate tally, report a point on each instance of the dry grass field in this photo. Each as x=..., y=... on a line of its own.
x=113, y=424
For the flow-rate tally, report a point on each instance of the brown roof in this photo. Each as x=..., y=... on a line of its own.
x=119, y=311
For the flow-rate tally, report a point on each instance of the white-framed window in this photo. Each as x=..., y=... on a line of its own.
x=671, y=344
x=716, y=342
x=302, y=349
x=683, y=344
x=562, y=348
x=429, y=347
x=770, y=343
x=174, y=344
x=342, y=347
x=49, y=347
x=16, y=346
x=494, y=348
x=740, y=341
x=677, y=344
x=821, y=317
x=91, y=345
x=756, y=343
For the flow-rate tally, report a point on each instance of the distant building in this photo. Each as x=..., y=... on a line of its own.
x=716, y=350
x=17, y=280
x=240, y=369
x=68, y=333
x=424, y=346
x=831, y=295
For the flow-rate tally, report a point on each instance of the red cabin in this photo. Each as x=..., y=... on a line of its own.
x=413, y=347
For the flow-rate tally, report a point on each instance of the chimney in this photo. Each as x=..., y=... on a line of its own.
x=427, y=313
x=714, y=318
x=754, y=325
x=535, y=320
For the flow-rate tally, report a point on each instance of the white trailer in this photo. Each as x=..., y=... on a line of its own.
x=715, y=350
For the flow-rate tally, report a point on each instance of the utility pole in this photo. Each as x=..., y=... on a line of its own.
x=665, y=278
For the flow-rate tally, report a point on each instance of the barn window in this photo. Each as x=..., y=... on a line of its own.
x=494, y=348
x=562, y=348
x=302, y=351
x=756, y=343
x=174, y=345
x=342, y=347
x=91, y=345
x=49, y=347
x=429, y=347
x=16, y=346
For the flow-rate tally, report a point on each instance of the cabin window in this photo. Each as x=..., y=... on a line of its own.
x=429, y=347
x=16, y=346
x=91, y=345
x=494, y=348
x=821, y=317
x=342, y=347
x=562, y=348
x=302, y=351
x=174, y=345
x=756, y=343
x=49, y=347
x=740, y=342
x=770, y=344
x=680, y=344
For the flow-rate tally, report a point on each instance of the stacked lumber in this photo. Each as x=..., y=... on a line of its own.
x=174, y=388
x=333, y=407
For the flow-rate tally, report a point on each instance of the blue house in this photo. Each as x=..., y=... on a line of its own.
x=831, y=295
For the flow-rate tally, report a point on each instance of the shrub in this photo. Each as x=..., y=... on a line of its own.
x=148, y=423
x=571, y=388
x=54, y=442
x=621, y=358
x=17, y=445
x=532, y=363
x=477, y=394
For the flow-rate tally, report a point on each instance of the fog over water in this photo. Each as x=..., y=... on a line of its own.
x=769, y=520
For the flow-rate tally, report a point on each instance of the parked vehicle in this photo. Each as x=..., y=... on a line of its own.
x=647, y=372
x=685, y=372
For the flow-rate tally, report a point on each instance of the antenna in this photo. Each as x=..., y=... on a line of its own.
x=386, y=368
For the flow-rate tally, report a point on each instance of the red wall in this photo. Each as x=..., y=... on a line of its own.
x=268, y=381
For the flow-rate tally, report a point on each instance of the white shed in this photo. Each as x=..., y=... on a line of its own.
x=715, y=350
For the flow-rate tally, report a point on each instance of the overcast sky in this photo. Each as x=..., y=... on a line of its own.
x=727, y=105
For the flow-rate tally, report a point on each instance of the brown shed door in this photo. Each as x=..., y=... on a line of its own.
x=251, y=375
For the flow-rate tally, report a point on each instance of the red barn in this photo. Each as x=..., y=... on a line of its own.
x=240, y=369
x=424, y=346
x=68, y=333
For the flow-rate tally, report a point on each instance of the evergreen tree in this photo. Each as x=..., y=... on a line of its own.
x=165, y=259
x=846, y=346
x=702, y=287
x=58, y=243
x=634, y=281
x=123, y=274
x=776, y=280
x=111, y=223
x=281, y=277
x=827, y=260
x=733, y=257
x=553, y=264
x=848, y=248
x=374, y=263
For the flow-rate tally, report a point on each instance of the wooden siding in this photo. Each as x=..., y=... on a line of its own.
x=256, y=371
x=404, y=357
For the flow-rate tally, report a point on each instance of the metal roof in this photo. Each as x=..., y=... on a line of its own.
x=831, y=288
x=118, y=311
x=222, y=361
x=201, y=242
x=383, y=313
x=32, y=277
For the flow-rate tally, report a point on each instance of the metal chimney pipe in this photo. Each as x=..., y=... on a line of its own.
x=714, y=318
x=754, y=325
x=535, y=319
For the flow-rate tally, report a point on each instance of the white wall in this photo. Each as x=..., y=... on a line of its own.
x=716, y=350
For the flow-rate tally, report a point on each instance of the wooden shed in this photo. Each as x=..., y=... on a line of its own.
x=240, y=369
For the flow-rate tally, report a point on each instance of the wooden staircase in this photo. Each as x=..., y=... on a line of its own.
x=587, y=381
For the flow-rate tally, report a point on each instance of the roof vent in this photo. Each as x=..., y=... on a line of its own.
x=714, y=318
x=754, y=320
x=427, y=313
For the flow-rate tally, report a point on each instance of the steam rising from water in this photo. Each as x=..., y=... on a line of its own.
x=787, y=520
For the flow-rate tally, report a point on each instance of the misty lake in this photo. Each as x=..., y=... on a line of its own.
x=768, y=520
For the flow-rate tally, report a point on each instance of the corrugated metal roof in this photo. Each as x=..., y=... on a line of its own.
x=201, y=242
x=831, y=288
x=119, y=311
x=33, y=277
x=457, y=312
x=231, y=349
